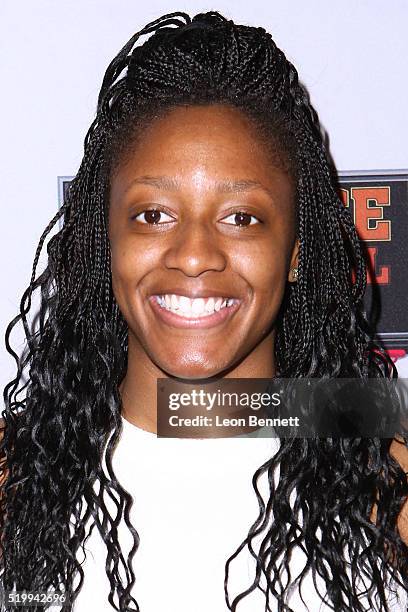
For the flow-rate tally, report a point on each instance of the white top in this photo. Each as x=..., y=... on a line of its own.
x=193, y=505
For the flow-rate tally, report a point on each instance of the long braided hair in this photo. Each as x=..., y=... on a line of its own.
x=56, y=435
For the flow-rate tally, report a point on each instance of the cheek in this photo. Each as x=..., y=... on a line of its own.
x=264, y=266
x=130, y=259
x=123, y=265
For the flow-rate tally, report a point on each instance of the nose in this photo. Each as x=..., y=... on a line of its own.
x=195, y=249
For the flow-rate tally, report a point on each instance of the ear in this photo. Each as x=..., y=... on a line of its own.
x=294, y=261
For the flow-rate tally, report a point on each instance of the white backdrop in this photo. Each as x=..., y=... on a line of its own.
x=352, y=55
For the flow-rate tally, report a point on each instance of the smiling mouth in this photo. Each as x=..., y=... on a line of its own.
x=194, y=308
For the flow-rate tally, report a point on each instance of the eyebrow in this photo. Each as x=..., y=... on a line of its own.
x=226, y=186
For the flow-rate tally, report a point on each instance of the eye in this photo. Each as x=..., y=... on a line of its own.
x=152, y=216
x=241, y=218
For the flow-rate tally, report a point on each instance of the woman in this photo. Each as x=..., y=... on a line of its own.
x=202, y=237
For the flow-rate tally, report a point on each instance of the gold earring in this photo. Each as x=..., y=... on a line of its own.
x=295, y=273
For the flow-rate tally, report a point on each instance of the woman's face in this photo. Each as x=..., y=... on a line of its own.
x=202, y=235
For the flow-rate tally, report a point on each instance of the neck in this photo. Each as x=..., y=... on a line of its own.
x=139, y=386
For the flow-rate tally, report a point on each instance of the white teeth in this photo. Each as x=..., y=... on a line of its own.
x=184, y=304
x=193, y=308
x=217, y=304
x=197, y=306
x=210, y=305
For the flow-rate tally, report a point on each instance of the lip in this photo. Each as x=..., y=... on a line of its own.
x=174, y=320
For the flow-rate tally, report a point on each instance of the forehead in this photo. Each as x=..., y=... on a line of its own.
x=213, y=141
x=212, y=121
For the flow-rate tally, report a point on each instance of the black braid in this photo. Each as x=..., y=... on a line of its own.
x=77, y=355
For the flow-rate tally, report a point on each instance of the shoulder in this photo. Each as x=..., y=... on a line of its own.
x=399, y=452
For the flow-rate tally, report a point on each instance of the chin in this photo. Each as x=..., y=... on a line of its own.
x=192, y=370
